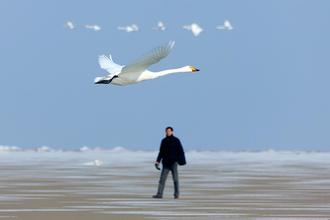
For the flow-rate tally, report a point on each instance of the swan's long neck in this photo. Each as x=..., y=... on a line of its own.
x=170, y=71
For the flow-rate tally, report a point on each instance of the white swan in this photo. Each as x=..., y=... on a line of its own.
x=194, y=28
x=137, y=71
x=93, y=27
x=160, y=26
x=70, y=25
x=129, y=28
x=226, y=26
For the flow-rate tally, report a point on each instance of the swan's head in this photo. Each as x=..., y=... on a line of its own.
x=191, y=69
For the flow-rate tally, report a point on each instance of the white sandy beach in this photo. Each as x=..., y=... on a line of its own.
x=214, y=185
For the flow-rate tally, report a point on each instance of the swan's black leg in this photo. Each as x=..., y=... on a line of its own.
x=106, y=81
x=112, y=78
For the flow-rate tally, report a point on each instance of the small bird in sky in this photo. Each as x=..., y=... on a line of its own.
x=69, y=25
x=93, y=27
x=160, y=26
x=226, y=26
x=129, y=28
x=194, y=28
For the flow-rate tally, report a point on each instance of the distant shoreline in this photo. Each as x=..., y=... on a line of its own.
x=119, y=149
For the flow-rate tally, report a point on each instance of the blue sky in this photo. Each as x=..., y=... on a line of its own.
x=263, y=85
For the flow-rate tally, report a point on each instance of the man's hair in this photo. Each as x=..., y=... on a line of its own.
x=169, y=127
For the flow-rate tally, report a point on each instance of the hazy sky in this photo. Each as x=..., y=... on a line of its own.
x=263, y=85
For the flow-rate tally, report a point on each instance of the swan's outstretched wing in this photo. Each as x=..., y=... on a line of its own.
x=108, y=64
x=147, y=60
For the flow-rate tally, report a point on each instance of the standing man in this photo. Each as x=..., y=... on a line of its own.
x=170, y=154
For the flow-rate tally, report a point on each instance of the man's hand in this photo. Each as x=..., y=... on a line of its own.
x=157, y=165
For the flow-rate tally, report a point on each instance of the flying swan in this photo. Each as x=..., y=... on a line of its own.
x=137, y=71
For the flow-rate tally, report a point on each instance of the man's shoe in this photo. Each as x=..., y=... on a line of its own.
x=176, y=197
x=157, y=196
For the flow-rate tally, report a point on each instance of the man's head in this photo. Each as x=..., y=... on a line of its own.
x=169, y=131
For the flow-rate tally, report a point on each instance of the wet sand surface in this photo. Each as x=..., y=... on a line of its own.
x=214, y=185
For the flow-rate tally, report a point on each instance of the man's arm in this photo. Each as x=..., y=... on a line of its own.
x=161, y=152
x=160, y=155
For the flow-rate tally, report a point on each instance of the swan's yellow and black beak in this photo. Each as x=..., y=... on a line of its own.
x=193, y=69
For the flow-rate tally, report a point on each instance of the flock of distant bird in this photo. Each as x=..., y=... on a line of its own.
x=137, y=71
x=194, y=27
